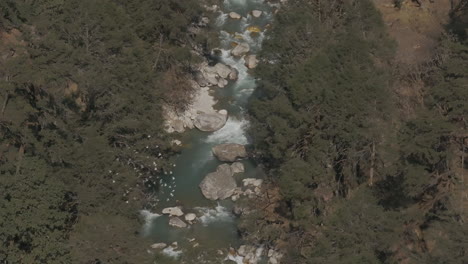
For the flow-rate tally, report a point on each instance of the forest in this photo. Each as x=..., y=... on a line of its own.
x=362, y=177
x=361, y=180
x=82, y=85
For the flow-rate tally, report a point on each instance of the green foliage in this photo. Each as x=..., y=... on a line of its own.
x=82, y=96
x=320, y=103
x=325, y=123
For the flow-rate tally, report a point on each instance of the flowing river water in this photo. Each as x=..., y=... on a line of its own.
x=216, y=227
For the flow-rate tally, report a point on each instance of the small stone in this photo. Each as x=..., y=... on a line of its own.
x=196, y=245
x=235, y=15
x=174, y=244
x=159, y=245
x=190, y=217
x=256, y=13
x=176, y=142
x=173, y=211
x=220, y=252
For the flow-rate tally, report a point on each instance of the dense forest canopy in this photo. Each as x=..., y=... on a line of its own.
x=360, y=182
x=82, y=85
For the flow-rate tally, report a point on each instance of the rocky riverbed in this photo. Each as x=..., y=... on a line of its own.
x=212, y=134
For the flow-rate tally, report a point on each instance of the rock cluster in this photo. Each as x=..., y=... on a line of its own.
x=252, y=255
x=217, y=75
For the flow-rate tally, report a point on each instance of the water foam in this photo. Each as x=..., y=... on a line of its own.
x=148, y=217
x=171, y=252
x=217, y=214
x=232, y=132
x=221, y=19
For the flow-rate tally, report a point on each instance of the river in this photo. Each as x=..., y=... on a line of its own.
x=216, y=227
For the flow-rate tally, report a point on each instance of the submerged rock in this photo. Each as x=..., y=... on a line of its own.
x=229, y=152
x=173, y=211
x=219, y=184
x=210, y=122
x=177, y=222
x=240, y=49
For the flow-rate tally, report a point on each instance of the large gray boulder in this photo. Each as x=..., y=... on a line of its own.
x=222, y=70
x=210, y=122
x=229, y=152
x=219, y=184
x=240, y=49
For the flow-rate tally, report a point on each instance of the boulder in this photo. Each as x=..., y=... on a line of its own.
x=234, y=15
x=190, y=217
x=229, y=152
x=177, y=222
x=251, y=61
x=173, y=211
x=222, y=70
x=210, y=122
x=240, y=49
x=219, y=184
x=159, y=245
x=256, y=13
x=237, y=167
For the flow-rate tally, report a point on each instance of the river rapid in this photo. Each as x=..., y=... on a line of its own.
x=216, y=227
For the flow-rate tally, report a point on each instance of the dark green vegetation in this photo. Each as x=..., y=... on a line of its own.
x=81, y=88
x=360, y=183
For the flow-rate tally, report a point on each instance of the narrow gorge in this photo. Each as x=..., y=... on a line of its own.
x=196, y=201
